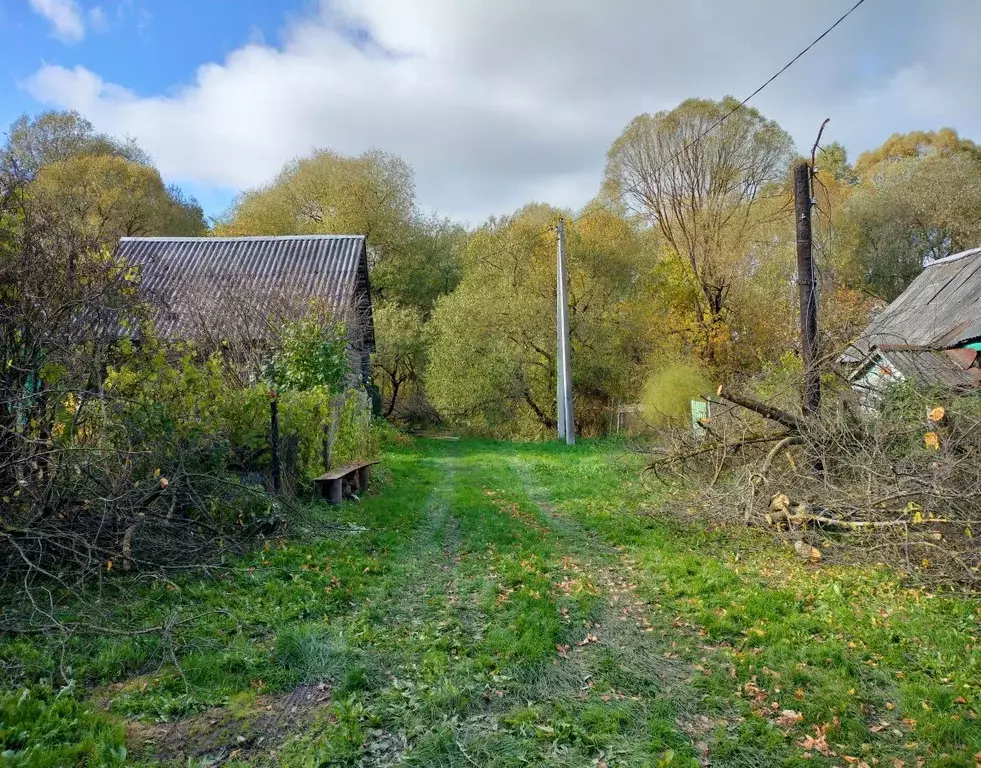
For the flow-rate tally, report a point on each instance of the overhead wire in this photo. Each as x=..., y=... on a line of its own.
x=728, y=114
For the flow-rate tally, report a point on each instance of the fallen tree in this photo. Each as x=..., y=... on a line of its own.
x=900, y=486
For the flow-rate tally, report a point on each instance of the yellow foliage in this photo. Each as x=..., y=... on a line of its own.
x=668, y=392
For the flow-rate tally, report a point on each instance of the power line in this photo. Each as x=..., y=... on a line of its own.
x=735, y=109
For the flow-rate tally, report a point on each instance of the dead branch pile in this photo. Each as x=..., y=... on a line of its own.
x=898, y=484
x=93, y=481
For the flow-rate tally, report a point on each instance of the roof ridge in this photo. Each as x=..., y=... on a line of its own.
x=955, y=257
x=237, y=238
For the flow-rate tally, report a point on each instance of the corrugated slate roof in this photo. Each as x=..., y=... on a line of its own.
x=930, y=366
x=940, y=308
x=187, y=277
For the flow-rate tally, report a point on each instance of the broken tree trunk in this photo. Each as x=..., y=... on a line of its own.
x=787, y=420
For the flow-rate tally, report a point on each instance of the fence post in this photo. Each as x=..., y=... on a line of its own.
x=274, y=439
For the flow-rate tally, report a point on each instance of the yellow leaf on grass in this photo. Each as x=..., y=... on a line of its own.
x=932, y=441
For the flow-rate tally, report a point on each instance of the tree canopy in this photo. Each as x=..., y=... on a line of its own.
x=682, y=270
x=918, y=199
x=492, y=354
x=707, y=188
x=88, y=189
x=51, y=137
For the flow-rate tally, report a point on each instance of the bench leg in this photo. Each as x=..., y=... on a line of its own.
x=335, y=491
x=363, y=478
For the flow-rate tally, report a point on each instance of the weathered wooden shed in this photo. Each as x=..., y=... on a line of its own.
x=931, y=333
x=239, y=288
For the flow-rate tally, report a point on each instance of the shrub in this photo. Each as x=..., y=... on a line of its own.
x=668, y=393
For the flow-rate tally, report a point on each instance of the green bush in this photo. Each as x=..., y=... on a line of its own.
x=184, y=405
x=305, y=416
x=40, y=728
x=668, y=393
x=355, y=437
x=312, y=355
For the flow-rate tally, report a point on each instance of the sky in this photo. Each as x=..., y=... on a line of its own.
x=494, y=103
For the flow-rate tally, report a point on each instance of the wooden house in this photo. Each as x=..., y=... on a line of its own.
x=931, y=333
x=238, y=290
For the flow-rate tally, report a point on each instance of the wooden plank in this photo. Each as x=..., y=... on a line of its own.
x=347, y=469
x=335, y=491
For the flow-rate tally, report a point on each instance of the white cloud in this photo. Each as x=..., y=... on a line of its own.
x=497, y=104
x=65, y=17
x=98, y=19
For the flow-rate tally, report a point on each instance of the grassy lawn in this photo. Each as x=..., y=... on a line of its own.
x=506, y=605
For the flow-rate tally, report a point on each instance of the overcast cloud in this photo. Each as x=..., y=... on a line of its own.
x=499, y=103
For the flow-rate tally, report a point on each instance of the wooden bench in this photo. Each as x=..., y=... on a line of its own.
x=343, y=481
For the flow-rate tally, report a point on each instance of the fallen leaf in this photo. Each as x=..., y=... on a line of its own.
x=788, y=718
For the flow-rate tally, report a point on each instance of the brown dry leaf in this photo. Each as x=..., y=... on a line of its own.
x=817, y=742
x=563, y=650
x=788, y=718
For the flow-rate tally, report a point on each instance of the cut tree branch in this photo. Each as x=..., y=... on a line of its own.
x=781, y=417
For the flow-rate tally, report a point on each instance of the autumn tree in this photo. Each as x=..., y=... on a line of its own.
x=705, y=177
x=88, y=189
x=372, y=194
x=55, y=136
x=89, y=201
x=414, y=258
x=492, y=354
x=400, y=358
x=918, y=199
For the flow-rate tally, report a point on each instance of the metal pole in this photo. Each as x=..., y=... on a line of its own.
x=565, y=400
x=811, y=400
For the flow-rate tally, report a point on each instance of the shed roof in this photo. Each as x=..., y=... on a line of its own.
x=940, y=308
x=932, y=367
x=225, y=278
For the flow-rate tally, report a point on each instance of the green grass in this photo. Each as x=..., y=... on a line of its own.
x=518, y=604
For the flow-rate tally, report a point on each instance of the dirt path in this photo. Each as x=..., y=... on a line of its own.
x=502, y=634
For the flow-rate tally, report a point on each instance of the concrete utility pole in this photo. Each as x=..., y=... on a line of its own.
x=811, y=400
x=567, y=424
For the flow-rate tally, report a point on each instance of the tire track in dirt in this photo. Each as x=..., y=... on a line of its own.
x=647, y=645
x=421, y=601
